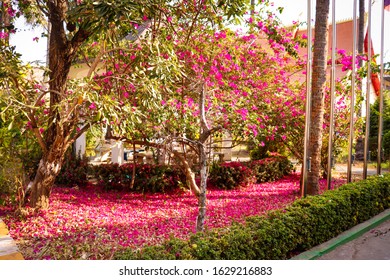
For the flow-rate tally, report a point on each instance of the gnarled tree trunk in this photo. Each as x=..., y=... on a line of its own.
x=44, y=179
x=61, y=126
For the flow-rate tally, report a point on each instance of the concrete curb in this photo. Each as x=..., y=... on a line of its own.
x=8, y=248
x=344, y=237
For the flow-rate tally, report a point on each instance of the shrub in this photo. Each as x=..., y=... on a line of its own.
x=12, y=182
x=153, y=178
x=257, y=152
x=281, y=234
x=230, y=175
x=74, y=171
x=108, y=175
x=271, y=169
x=148, y=177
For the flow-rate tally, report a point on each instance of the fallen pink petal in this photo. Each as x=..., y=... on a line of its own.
x=89, y=223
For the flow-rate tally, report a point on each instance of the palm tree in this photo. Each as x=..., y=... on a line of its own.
x=318, y=93
x=359, y=148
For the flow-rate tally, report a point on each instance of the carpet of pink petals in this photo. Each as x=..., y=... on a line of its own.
x=88, y=223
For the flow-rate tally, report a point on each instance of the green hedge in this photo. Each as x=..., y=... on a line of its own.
x=149, y=178
x=231, y=175
x=74, y=171
x=283, y=233
x=271, y=169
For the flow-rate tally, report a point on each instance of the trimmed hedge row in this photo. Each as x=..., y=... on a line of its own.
x=283, y=233
x=231, y=175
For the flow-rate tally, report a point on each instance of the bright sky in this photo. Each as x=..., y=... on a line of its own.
x=293, y=10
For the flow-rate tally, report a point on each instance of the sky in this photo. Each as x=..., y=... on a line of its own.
x=23, y=39
x=294, y=10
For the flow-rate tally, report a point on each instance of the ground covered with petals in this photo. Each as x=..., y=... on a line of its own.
x=89, y=223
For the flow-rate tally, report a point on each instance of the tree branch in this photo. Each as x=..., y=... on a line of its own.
x=41, y=8
x=83, y=129
x=188, y=172
x=192, y=25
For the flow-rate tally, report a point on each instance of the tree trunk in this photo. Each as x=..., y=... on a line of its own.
x=318, y=89
x=190, y=176
x=361, y=29
x=359, y=148
x=42, y=185
x=205, y=132
x=58, y=137
x=134, y=168
x=5, y=19
x=203, y=186
x=48, y=169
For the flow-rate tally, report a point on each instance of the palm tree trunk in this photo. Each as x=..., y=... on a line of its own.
x=359, y=148
x=320, y=50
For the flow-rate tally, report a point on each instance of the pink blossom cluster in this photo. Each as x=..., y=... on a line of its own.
x=89, y=223
x=3, y=35
x=346, y=60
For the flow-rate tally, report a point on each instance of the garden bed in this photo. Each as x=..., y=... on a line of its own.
x=89, y=223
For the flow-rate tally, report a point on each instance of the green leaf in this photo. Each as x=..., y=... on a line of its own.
x=98, y=116
x=10, y=126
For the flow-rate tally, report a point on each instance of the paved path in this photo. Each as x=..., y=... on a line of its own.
x=372, y=245
x=8, y=248
x=369, y=240
x=356, y=169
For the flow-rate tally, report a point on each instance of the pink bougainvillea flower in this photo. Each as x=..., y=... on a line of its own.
x=92, y=106
x=3, y=35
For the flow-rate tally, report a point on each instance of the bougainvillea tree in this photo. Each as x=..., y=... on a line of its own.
x=60, y=110
x=188, y=81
